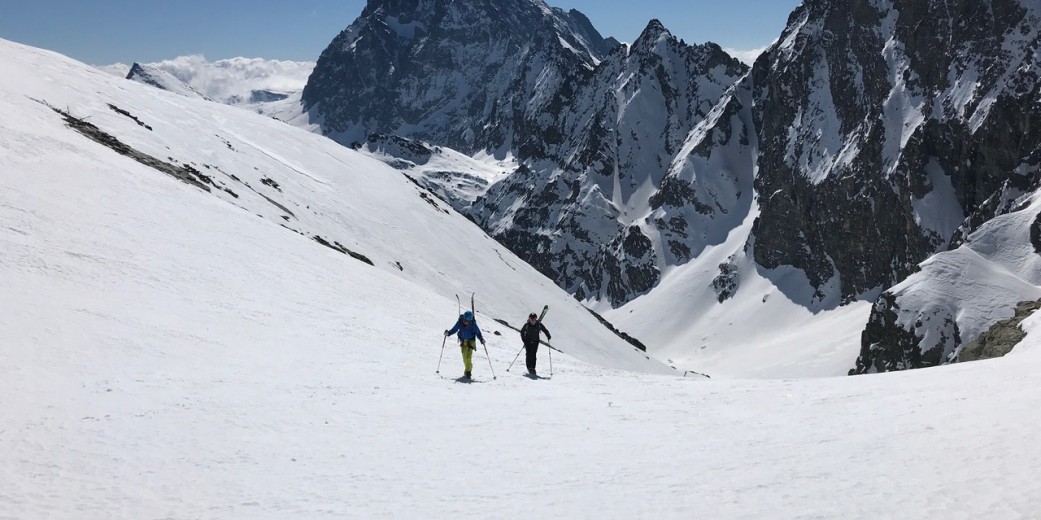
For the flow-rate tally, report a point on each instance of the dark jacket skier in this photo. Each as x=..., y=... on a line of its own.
x=466, y=326
x=530, y=336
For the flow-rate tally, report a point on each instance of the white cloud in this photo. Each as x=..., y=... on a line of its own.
x=224, y=79
x=747, y=56
x=116, y=69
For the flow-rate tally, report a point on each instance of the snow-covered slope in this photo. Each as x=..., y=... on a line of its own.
x=168, y=353
x=958, y=294
x=455, y=177
x=723, y=315
x=308, y=187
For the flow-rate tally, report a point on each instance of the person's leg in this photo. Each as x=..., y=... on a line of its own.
x=467, y=348
x=529, y=357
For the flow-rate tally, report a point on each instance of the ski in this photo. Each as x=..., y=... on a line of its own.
x=544, y=311
x=473, y=309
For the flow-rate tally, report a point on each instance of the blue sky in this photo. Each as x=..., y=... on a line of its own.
x=101, y=32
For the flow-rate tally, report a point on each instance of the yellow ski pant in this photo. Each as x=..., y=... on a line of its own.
x=468, y=346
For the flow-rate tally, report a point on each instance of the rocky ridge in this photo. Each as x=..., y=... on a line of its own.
x=871, y=137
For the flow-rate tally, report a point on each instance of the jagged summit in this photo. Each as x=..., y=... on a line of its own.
x=463, y=74
x=161, y=79
x=586, y=29
x=135, y=70
x=652, y=32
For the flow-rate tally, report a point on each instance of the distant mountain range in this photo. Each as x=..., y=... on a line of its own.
x=876, y=146
x=866, y=140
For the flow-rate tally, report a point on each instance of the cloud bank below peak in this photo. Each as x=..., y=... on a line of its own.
x=230, y=80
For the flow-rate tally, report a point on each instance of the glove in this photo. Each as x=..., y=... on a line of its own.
x=549, y=338
x=447, y=333
x=483, y=343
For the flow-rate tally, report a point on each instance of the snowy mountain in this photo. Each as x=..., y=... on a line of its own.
x=865, y=140
x=888, y=136
x=471, y=76
x=882, y=134
x=456, y=178
x=161, y=79
x=176, y=342
x=957, y=295
x=908, y=120
x=598, y=205
x=594, y=126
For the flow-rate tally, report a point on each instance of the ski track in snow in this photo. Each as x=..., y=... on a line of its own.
x=282, y=160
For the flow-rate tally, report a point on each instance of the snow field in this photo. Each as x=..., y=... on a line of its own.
x=168, y=355
x=301, y=397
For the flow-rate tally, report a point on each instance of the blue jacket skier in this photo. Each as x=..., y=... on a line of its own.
x=468, y=331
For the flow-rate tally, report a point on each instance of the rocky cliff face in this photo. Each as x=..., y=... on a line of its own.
x=598, y=205
x=883, y=126
x=473, y=76
x=888, y=131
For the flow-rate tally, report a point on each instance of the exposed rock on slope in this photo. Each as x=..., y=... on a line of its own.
x=1000, y=338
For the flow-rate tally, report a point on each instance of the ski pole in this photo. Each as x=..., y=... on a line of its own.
x=514, y=359
x=489, y=359
x=443, y=341
x=550, y=359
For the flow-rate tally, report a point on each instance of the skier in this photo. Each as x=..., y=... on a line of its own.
x=530, y=336
x=467, y=328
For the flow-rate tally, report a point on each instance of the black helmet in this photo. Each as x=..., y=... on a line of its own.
x=533, y=315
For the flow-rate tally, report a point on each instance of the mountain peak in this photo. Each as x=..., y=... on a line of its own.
x=391, y=5
x=162, y=80
x=654, y=30
x=135, y=70
x=414, y=6
x=362, y=81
